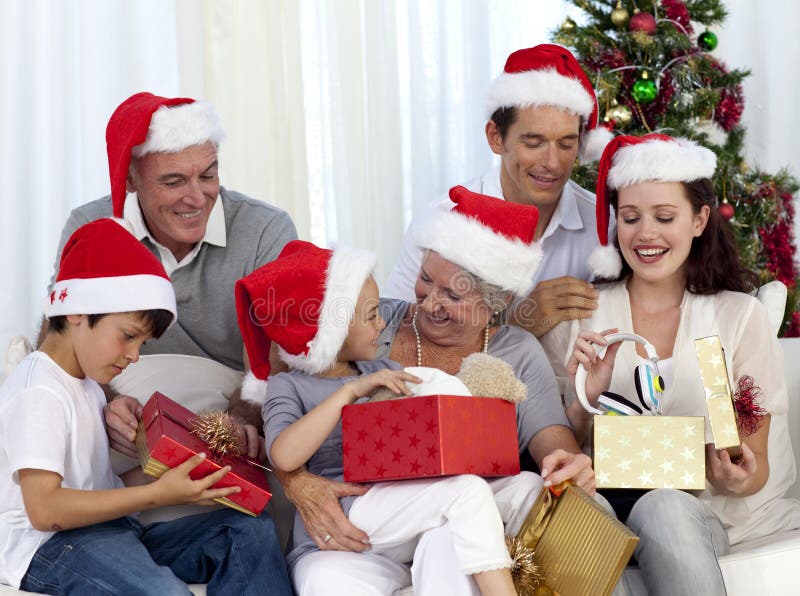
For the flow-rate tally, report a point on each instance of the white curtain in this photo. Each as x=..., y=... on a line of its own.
x=349, y=114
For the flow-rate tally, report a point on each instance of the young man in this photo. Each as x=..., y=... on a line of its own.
x=542, y=114
x=64, y=516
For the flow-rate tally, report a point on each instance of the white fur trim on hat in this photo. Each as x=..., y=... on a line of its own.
x=605, y=262
x=678, y=160
x=510, y=264
x=594, y=141
x=102, y=295
x=539, y=87
x=347, y=271
x=175, y=128
x=254, y=390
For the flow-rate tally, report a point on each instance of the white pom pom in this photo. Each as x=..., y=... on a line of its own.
x=594, y=141
x=254, y=390
x=605, y=262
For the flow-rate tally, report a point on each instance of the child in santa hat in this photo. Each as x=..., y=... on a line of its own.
x=321, y=308
x=64, y=515
x=679, y=278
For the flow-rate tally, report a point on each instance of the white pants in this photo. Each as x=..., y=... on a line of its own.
x=450, y=527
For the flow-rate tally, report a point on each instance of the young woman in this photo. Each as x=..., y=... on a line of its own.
x=681, y=279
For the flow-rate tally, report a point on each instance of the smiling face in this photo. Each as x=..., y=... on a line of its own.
x=656, y=225
x=451, y=311
x=106, y=349
x=365, y=328
x=537, y=153
x=176, y=194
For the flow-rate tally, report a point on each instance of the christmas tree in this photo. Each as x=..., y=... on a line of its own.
x=654, y=71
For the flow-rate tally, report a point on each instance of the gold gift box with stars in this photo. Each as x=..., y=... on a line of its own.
x=650, y=452
x=719, y=399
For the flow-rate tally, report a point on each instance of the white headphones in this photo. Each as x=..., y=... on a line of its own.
x=649, y=383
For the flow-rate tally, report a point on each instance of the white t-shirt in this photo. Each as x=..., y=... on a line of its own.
x=51, y=421
x=567, y=241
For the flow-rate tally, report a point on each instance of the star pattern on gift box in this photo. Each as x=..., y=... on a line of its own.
x=624, y=441
x=438, y=441
x=649, y=461
x=687, y=478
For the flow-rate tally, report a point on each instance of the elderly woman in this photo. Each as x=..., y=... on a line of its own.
x=478, y=257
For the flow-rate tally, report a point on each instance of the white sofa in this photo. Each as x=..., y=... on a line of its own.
x=769, y=567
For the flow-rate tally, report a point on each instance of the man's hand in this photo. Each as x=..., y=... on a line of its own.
x=122, y=416
x=252, y=444
x=552, y=301
x=561, y=465
x=317, y=500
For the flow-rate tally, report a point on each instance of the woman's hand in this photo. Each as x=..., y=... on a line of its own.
x=562, y=465
x=317, y=500
x=598, y=378
x=728, y=476
x=393, y=380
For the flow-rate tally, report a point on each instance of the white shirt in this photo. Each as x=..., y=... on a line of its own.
x=567, y=241
x=750, y=349
x=50, y=421
x=215, y=232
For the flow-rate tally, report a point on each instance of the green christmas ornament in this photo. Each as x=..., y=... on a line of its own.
x=644, y=90
x=707, y=41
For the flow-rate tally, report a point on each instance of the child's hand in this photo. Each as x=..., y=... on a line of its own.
x=393, y=380
x=177, y=488
x=728, y=476
x=598, y=378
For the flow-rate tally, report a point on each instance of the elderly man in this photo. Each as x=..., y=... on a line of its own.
x=542, y=114
x=163, y=166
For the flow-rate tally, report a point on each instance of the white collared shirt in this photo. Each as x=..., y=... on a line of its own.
x=567, y=242
x=215, y=232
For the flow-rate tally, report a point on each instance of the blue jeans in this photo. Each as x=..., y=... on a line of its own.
x=680, y=539
x=232, y=552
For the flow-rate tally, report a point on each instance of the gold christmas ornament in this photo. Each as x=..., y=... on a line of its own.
x=568, y=24
x=620, y=15
x=621, y=115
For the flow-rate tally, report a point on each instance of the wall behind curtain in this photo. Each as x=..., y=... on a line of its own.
x=349, y=114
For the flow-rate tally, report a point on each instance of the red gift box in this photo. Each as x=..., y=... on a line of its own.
x=165, y=440
x=432, y=435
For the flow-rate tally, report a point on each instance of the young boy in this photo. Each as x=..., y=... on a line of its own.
x=64, y=525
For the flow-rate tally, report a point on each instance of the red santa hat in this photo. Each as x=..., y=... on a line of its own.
x=105, y=269
x=303, y=301
x=549, y=75
x=489, y=237
x=146, y=123
x=629, y=160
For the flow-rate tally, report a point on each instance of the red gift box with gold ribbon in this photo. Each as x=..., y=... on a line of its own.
x=433, y=435
x=165, y=440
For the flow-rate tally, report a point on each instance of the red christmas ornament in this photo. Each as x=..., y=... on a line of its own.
x=643, y=21
x=675, y=10
x=726, y=211
x=747, y=403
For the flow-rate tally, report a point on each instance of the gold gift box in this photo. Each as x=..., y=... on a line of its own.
x=650, y=452
x=719, y=397
x=579, y=547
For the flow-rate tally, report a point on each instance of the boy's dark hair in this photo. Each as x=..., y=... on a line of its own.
x=713, y=264
x=156, y=321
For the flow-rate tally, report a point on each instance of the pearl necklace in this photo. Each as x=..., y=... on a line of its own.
x=419, y=343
